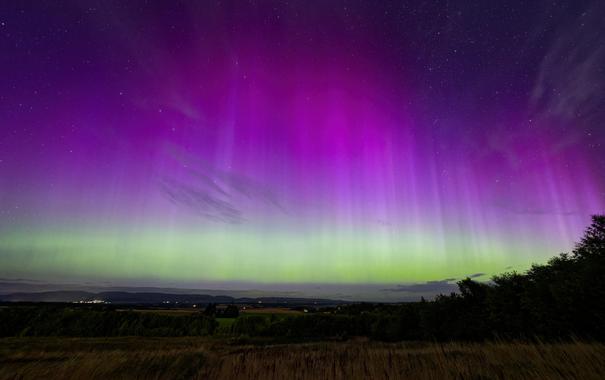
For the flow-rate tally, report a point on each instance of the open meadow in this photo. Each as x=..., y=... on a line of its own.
x=204, y=358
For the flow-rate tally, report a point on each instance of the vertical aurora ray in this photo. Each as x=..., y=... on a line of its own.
x=209, y=142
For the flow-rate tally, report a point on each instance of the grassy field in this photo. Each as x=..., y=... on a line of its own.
x=271, y=310
x=197, y=358
x=269, y=313
x=164, y=311
x=224, y=325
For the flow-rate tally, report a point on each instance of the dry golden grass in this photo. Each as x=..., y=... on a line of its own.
x=415, y=361
x=181, y=358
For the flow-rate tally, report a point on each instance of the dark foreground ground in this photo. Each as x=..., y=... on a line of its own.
x=203, y=358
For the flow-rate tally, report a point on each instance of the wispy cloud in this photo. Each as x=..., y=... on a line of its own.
x=214, y=193
x=429, y=287
x=201, y=201
x=519, y=208
x=569, y=84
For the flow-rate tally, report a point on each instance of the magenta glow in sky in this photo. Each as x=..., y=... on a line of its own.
x=304, y=142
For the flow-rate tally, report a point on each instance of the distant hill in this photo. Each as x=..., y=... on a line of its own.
x=116, y=297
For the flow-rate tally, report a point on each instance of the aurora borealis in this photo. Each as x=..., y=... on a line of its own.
x=301, y=142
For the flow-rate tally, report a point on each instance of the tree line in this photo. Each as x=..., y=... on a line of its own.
x=563, y=298
x=55, y=320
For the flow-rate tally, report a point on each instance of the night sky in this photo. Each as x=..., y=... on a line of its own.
x=297, y=144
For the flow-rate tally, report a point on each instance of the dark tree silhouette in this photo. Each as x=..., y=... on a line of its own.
x=231, y=312
x=210, y=310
